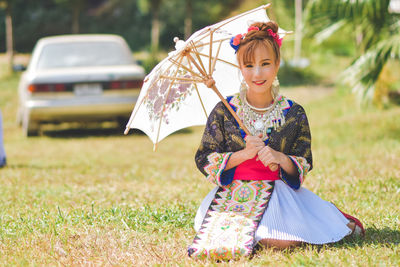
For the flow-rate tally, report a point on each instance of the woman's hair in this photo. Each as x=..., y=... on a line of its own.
x=255, y=38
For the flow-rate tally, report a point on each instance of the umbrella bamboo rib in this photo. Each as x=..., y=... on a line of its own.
x=196, y=65
x=185, y=68
x=221, y=60
x=215, y=59
x=201, y=101
x=181, y=78
x=199, y=44
x=198, y=94
x=209, y=59
x=194, y=49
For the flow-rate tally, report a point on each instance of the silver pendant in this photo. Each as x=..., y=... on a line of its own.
x=258, y=125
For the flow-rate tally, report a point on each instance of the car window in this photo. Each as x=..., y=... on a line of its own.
x=82, y=54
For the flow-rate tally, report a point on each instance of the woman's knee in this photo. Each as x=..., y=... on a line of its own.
x=279, y=244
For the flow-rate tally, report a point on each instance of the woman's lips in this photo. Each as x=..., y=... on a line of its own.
x=259, y=82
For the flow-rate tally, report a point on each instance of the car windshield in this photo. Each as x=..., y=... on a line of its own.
x=83, y=54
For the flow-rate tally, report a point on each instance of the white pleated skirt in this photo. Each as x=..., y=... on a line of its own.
x=296, y=215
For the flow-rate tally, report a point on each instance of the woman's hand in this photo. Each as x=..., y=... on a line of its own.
x=253, y=145
x=269, y=156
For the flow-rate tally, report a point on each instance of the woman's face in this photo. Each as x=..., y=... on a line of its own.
x=261, y=71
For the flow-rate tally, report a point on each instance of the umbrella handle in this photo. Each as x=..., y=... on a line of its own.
x=273, y=166
x=239, y=121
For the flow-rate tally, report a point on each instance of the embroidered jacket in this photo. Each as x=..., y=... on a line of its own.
x=222, y=136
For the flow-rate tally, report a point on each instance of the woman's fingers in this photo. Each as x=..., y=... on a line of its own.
x=273, y=166
x=253, y=145
x=268, y=156
x=254, y=142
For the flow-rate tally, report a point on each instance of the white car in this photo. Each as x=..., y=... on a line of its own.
x=78, y=78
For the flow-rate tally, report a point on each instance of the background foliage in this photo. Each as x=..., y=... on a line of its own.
x=34, y=19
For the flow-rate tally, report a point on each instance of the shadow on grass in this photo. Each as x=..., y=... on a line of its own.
x=373, y=236
x=381, y=236
x=86, y=132
x=36, y=166
x=97, y=132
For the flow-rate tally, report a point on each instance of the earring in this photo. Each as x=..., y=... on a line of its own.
x=275, y=87
x=243, y=86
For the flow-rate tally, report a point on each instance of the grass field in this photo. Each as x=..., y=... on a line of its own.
x=92, y=196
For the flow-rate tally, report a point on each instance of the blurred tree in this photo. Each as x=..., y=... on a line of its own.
x=188, y=18
x=77, y=7
x=194, y=15
x=122, y=17
x=7, y=5
x=152, y=6
x=376, y=32
x=34, y=19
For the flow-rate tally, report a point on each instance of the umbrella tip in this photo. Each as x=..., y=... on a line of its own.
x=126, y=131
x=266, y=6
x=178, y=43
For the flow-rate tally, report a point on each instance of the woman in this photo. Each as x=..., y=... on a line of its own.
x=241, y=164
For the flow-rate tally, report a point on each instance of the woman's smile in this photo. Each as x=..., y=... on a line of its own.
x=259, y=82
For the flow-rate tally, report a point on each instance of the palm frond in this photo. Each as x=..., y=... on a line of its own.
x=380, y=31
x=363, y=74
x=326, y=33
x=369, y=16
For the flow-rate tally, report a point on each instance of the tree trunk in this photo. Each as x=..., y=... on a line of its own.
x=155, y=25
x=299, y=29
x=76, y=8
x=9, y=37
x=188, y=18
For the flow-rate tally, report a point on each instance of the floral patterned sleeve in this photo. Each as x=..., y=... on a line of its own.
x=211, y=157
x=300, y=153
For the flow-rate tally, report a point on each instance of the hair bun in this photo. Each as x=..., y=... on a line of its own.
x=258, y=32
x=264, y=26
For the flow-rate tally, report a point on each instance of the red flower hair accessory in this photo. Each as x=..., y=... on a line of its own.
x=253, y=28
x=275, y=36
x=235, y=41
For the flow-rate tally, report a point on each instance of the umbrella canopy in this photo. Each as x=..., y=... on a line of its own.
x=176, y=94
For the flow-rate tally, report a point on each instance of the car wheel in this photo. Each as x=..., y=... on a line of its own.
x=29, y=127
x=122, y=121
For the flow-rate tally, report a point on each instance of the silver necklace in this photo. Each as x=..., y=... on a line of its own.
x=257, y=109
x=257, y=120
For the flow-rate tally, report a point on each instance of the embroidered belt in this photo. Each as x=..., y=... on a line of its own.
x=229, y=226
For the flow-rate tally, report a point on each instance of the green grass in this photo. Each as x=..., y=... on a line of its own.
x=93, y=196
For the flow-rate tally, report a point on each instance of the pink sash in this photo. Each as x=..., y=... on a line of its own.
x=253, y=169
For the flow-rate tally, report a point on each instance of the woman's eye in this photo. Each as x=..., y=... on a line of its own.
x=248, y=65
x=265, y=63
